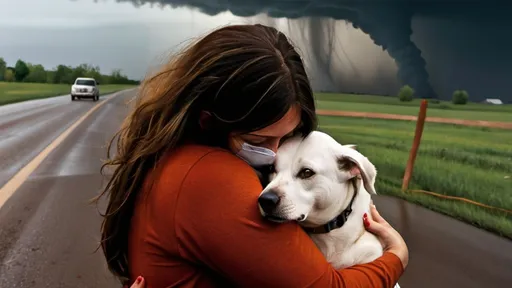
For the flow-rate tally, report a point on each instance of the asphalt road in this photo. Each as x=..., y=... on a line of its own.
x=48, y=232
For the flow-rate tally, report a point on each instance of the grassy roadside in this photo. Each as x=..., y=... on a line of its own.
x=18, y=92
x=391, y=105
x=453, y=160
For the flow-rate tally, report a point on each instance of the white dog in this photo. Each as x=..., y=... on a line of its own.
x=326, y=187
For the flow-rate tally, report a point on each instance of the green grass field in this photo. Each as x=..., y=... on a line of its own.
x=474, y=163
x=391, y=105
x=17, y=92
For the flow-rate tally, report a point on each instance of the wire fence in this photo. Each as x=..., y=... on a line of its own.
x=420, y=123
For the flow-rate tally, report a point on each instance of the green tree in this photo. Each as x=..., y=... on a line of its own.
x=116, y=77
x=9, y=75
x=460, y=97
x=50, y=76
x=94, y=72
x=63, y=75
x=37, y=74
x=3, y=68
x=406, y=93
x=20, y=70
x=79, y=71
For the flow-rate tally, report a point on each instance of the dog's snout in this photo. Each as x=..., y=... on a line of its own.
x=268, y=201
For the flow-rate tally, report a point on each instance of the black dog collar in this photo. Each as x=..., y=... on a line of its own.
x=337, y=222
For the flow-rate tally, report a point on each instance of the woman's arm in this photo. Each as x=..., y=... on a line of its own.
x=218, y=224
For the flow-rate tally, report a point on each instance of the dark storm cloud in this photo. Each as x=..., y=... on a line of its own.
x=387, y=22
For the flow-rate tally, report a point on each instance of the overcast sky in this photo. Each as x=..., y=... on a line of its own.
x=109, y=34
x=469, y=54
x=118, y=35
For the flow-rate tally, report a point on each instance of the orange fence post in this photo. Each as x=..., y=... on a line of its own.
x=420, y=122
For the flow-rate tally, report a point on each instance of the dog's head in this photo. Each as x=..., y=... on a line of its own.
x=312, y=180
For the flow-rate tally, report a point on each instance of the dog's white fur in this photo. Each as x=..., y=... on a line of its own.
x=322, y=197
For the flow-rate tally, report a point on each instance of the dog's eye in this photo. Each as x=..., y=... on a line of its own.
x=305, y=173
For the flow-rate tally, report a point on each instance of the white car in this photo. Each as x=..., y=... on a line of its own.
x=85, y=88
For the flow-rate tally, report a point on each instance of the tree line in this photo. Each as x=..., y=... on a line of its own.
x=62, y=74
x=459, y=97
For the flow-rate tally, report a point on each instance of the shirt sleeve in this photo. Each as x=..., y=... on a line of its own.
x=218, y=224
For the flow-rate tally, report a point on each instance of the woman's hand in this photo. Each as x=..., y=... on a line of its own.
x=391, y=240
x=139, y=283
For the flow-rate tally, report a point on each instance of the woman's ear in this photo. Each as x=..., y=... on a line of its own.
x=205, y=120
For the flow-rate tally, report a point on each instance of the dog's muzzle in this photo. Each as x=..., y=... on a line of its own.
x=268, y=202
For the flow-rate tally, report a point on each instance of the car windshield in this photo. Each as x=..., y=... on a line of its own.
x=85, y=82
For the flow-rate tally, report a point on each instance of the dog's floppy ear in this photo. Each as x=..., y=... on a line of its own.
x=358, y=164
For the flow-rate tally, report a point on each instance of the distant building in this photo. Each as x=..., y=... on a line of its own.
x=493, y=101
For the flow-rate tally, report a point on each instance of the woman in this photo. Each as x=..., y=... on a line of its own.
x=182, y=205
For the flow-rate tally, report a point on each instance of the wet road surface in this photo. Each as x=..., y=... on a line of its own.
x=28, y=127
x=445, y=252
x=48, y=232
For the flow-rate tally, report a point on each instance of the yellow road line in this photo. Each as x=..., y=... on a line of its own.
x=15, y=182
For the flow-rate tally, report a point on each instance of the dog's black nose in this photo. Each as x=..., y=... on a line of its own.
x=268, y=201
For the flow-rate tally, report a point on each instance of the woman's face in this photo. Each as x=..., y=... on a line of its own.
x=269, y=137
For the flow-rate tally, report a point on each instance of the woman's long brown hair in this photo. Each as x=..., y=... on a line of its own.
x=252, y=68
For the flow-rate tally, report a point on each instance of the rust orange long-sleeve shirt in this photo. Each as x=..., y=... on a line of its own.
x=198, y=225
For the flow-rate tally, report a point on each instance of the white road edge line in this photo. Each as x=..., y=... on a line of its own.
x=19, y=178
